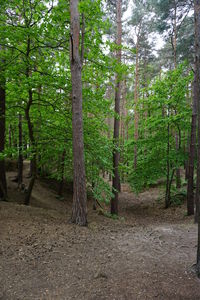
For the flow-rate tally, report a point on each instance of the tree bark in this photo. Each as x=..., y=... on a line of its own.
x=123, y=120
x=79, y=209
x=33, y=163
x=34, y=156
x=197, y=194
x=178, y=173
x=20, y=155
x=136, y=115
x=167, y=192
x=197, y=75
x=116, y=178
x=191, y=160
x=3, y=185
x=62, y=169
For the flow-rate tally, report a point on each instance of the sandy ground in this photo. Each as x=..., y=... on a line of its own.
x=146, y=254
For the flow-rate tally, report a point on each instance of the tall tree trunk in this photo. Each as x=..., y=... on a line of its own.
x=3, y=185
x=191, y=160
x=174, y=49
x=197, y=194
x=79, y=209
x=123, y=124
x=20, y=155
x=116, y=178
x=33, y=163
x=174, y=42
x=167, y=192
x=136, y=115
x=110, y=125
x=34, y=155
x=197, y=75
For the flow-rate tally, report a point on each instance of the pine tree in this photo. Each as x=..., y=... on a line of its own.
x=79, y=210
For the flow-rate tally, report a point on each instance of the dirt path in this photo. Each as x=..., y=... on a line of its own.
x=147, y=254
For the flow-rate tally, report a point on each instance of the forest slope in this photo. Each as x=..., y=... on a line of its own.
x=146, y=254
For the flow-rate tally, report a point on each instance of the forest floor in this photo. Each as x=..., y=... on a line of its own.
x=146, y=254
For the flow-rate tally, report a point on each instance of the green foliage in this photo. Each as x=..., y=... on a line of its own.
x=109, y=215
x=178, y=196
x=34, y=56
x=35, y=39
x=166, y=105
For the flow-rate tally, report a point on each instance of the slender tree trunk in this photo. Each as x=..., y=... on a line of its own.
x=136, y=115
x=178, y=171
x=10, y=136
x=197, y=75
x=175, y=34
x=79, y=209
x=38, y=130
x=123, y=113
x=168, y=189
x=33, y=163
x=20, y=155
x=197, y=193
x=191, y=160
x=109, y=135
x=174, y=46
x=62, y=169
x=116, y=178
x=3, y=185
x=185, y=133
x=94, y=199
x=123, y=126
x=187, y=150
x=198, y=249
x=34, y=155
x=167, y=193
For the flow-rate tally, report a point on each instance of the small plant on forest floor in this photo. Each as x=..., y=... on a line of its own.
x=61, y=198
x=178, y=196
x=109, y=215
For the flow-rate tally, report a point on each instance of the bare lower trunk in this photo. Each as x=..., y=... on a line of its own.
x=79, y=209
x=186, y=163
x=20, y=155
x=198, y=249
x=178, y=172
x=197, y=75
x=123, y=127
x=33, y=159
x=197, y=194
x=10, y=136
x=168, y=189
x=116, y=178
x=168, y=181
x=60, y=190
x=3, y=185
x=30, y=130
x=136, y=115
x=191, y=160
x=109, y=136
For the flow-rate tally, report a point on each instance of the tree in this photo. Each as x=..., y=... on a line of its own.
x=197, y=86
x=116, y=178
x=157, y=149
x=140, y=21
x=79, y=210
x=192, y=151
x=172, y=17
x=3, y=185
